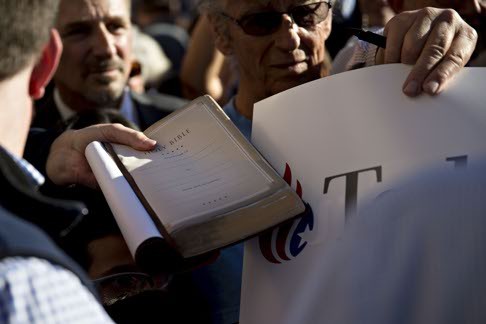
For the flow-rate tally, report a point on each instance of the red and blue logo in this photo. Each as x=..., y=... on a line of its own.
x=287, y=241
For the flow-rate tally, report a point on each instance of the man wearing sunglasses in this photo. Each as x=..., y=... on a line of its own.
x=280, y=44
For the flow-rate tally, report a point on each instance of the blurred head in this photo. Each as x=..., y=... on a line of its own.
x=150, y=63
x=29, y=52
x=375, y=12
x=97, y=57
x=24, y=30
x=467, y=8
x=278, y=44
x=147, y=12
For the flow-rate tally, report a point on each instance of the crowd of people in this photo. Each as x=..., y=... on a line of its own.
x=75, y=71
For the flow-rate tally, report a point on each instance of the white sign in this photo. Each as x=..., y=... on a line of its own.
x=341, y=141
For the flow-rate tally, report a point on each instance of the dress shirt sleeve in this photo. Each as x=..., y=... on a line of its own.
x=33, y=290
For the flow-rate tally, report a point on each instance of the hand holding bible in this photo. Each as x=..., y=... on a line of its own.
x=67, y=163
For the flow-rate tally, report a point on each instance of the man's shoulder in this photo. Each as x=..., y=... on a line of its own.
x=13, y=233
x=160, y=101
x=18, y=237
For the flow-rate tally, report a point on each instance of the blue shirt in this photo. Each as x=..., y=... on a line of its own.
x=243, y=123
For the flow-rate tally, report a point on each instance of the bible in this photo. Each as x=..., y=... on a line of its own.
x=203, y=187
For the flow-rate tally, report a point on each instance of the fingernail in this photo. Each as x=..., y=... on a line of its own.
x=431, y=87
x=411, y=89
x=150, y=141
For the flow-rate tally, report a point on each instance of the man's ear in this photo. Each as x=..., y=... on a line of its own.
x=222, y=39
x=46, y=66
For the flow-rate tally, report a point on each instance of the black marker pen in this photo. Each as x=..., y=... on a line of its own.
x=369, y=37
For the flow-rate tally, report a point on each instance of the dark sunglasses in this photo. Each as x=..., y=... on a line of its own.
x=268, y=22
x=123, y=285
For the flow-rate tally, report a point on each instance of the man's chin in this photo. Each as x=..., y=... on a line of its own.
x=106, y=77
x=105, y=95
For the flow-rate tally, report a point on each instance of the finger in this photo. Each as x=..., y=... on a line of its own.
x=395, y=32
x=458, y=55
x=117, y=133
x=113, y=133
x=380, y=56
x=416, y=37
x=436, y=47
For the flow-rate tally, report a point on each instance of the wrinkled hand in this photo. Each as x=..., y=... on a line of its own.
x=437, y=41
x=66, y=163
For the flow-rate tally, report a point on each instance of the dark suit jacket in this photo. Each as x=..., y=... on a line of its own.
x=22, y=207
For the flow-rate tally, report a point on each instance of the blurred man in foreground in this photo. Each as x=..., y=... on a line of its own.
x=38, y=283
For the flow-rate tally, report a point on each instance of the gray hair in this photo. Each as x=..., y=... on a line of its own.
x=209, y=6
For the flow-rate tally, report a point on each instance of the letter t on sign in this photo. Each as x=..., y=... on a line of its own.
x=460, y=162
x=351, y=198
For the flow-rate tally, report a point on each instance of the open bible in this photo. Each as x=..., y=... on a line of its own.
x=203, y=187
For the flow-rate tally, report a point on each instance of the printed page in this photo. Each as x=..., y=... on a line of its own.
x=197, y=169
x=130, y=215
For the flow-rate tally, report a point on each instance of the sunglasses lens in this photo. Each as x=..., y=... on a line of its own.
x=266, y=23
x=116, y=287
x=310, y=15
x=261, y=24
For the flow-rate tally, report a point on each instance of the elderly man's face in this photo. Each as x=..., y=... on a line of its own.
x=287, y=57
x=96, y=60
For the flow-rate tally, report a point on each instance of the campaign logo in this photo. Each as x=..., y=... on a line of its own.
x=287, y=241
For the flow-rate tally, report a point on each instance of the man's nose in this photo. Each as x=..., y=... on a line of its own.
x=103, y=42
x=287, y=37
